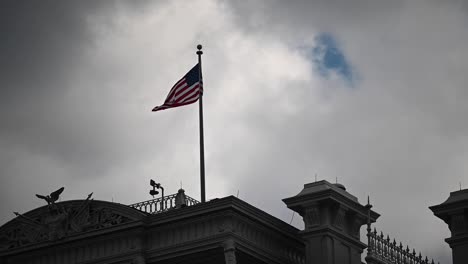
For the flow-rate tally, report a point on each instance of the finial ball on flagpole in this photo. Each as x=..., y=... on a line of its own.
x=199, y=46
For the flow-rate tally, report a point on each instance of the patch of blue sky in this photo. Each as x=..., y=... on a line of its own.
x=328, y=58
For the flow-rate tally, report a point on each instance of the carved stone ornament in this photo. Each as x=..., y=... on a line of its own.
x=457, y=225
x=61, y=220
x=226, y=226
x=51, y=198
x=312, y=217
x=339, y=218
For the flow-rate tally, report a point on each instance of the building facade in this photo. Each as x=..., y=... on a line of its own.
x=178, y=229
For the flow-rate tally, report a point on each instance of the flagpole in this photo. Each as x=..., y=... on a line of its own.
x=202, y=147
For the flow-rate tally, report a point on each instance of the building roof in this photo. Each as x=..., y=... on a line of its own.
x=99, y=230
x=457, y=201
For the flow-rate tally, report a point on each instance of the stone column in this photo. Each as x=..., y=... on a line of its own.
x=454, y=212
x=230, y=251
x=332, y=221
x=139, y=260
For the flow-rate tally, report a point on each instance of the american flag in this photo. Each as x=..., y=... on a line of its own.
x=186, y=91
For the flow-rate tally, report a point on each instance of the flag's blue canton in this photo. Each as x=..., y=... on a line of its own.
x=192, y=76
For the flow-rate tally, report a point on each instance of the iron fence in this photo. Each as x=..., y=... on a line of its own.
x=387, y=251
x=162, y=204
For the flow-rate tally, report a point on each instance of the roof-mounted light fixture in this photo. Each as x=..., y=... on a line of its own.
x=154, y=192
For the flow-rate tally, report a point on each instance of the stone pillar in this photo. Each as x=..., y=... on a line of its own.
x=138, y=260
x=332, y=221
x=230, y=251
x=454, y=212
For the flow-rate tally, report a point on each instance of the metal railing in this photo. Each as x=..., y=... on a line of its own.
x=384, y=250
x=162, y=204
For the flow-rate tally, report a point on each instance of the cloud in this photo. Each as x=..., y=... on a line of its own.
x=79, y=81
x=400, y=129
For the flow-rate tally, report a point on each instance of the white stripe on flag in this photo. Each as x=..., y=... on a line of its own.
x=189, y=95
x=186, y=91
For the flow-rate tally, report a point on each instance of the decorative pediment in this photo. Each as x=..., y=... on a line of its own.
x=63, y=220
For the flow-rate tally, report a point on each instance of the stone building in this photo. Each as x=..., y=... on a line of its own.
x=178, y=229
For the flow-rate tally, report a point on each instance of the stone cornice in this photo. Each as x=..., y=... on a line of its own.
x=332, y=231
x=298, y=202
x=204, y=226
x=444, y=210
x=223, y=204
x=457, y=240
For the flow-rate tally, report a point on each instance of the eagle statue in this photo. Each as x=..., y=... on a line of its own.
x=52, y=198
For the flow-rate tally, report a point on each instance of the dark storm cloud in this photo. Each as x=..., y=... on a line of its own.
x=73, y=112
x=44, y=43
x=302, y=16
x=401, y=128
x=78, y=113
x=40, y=41
x=49, y=125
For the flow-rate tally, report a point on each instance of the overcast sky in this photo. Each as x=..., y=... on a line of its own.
x=370, y=92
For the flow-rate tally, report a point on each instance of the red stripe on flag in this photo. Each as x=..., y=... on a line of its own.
x=193, y=91
x=174, y=89
x=182, y=93
x=193, y=97
x=189, y=90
